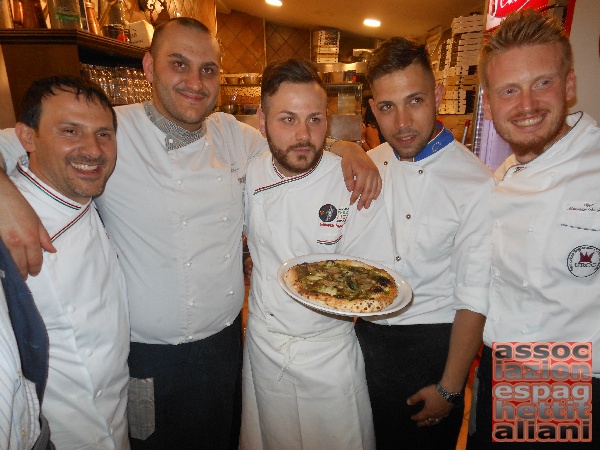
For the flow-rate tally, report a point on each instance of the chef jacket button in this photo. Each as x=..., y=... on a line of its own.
x=272, y=315
x=408, y=216
x=206, y=144
x=494, y=319
x=170, y=141
x=531, y=229
x=227, y=323
x=191, y=303
x=189, y=338
x=498, y=224
x=385, y=163
x=524, y=331
x=227, y=256
x=261, y=242
x=552, y=174
x=88, y=352
x=112, y=430
x=52, y=257
x=188, y=264
x=496, y=273
x=398, y=258
x=184, y=222
x=178, y=181
x=525, y=283
x=230, y=293
x=219, y=178
x=224, y=219
x=71, y=308
x=420, y=171
x=99, y=393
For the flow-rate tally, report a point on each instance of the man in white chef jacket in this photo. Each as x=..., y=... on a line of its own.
x=545, y=238
x=303, y=379
x=173, y=208
x=436, y=193
x=68, y=127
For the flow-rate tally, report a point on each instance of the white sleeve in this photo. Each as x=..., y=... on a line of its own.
x=11, y=149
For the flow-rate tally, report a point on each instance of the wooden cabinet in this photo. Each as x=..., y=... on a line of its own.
x=28, y=54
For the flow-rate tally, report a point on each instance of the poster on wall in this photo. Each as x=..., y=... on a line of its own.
x=488, y=145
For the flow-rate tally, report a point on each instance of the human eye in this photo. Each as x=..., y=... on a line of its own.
x=315, y=120
x=179, y=65
x=106, y=135
x=543, y=83
x=507, y=92
x=209, y=70
x=416, y=101
x=384, y=107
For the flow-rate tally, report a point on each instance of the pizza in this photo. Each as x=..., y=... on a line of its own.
x=344, y=284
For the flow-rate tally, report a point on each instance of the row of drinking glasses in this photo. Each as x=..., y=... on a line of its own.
x=122, y=85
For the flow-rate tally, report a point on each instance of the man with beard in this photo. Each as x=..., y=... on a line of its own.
x=436, y=191
x=303, y=380
x=174, y=211
x=68, y=127
x=545, y=210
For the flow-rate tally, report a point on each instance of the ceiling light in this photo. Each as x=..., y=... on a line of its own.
x=274, y=2
x=372, y=22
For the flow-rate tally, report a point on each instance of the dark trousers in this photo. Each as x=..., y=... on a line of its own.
x=399, y=361
x=481, y=439
x=196, y=391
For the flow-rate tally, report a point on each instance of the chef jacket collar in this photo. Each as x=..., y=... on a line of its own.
x=175, y=136
x=441, y=139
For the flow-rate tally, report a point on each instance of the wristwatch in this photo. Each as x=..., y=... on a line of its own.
x=450, y=397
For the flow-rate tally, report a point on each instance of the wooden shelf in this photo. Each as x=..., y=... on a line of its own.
x=29, y=54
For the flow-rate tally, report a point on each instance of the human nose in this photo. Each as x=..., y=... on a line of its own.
x=527, y=100
x=194, y=80
x=92, y=147
x=302, y=132
x=403, y=118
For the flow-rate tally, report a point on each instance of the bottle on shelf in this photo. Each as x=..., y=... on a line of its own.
x=64, y=14
x=32, y=15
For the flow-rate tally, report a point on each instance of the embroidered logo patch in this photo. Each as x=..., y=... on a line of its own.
x=584, y=261
x=327, y=213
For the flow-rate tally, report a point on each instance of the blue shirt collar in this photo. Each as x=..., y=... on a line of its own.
x=439, y=141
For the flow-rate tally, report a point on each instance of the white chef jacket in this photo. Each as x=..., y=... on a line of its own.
x=439, y=214
x=288, y=345
x=546, y=245
x=175, y=218
x=284, y=221
x=19, y=405
x=80, y=294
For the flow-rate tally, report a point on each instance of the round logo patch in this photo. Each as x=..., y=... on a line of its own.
x=584, y=261
x=327, y=213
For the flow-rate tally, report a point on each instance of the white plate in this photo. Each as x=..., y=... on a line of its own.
x=404, y=291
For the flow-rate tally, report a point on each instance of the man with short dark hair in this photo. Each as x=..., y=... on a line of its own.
x=304, y=384
x=436, y=191
x=174, y=211
x=546, y=216
x=68, y=128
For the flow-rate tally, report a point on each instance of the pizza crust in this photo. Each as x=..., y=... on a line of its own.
x=347, y=285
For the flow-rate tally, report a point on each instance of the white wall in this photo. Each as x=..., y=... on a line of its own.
x=585, y=39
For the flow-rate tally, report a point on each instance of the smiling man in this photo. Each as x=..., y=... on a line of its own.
x=546, y=222
x=68, y=127
x=436, y=193
x=174, y=210
x=303, y=382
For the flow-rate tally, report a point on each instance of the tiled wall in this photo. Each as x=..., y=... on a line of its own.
x=243, y=40
x=285, y=42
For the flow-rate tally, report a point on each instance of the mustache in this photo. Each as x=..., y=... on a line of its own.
x=404, y=131
x=302, y=145
x=528, y=113
x=187, y=90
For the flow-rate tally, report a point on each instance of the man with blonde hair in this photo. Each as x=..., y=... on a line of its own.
x=546, y=229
